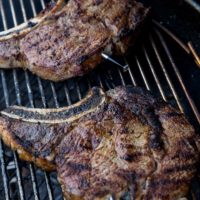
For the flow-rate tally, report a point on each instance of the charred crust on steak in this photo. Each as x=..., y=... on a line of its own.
x=133, y=145
x=68, y=39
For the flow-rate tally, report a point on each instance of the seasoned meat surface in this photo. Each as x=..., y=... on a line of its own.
x=128, y=145
x=35, y=133
x=69, y=41
x=33, y=142
x=133, y=146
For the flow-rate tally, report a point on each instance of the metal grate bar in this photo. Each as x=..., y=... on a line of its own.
x=32, y=105
x=142, y=73
x=67, y=95
x=194, y=4
x=190, y=100
x=42, y=3
x=111, y=85
x=3, y=171
x=166, y=73
x=5, y=89
x=121, y=77
x=3, y=16
x=28, y=85
x=6, y=95
x=45, y=105
x=19, y=101
x=131, y=75
x=52, y=85
x=154, y=74
x=17, y=91
x=35, y=192
x=13, y=13
x=31, y=167
x=23, y=10
x=21, y=192
x=100, y=81
x=48, y=186
x=19, y=180
x=33, y=8
x=130, y=72
x=174, y=37
x=54, y=95
x=14, y=71
x=30, y=95
x=41, y=92
x=78, y=91
x=2, y=159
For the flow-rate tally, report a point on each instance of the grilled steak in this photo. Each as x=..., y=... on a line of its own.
x=35, y=133
x=69, y=41
x=123, y=143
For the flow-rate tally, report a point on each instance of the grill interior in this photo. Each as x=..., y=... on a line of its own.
x=152, y=64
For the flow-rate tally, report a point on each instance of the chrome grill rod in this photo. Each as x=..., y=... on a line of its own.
x=5, y=91
x=165, y=73
x=33, y=178
x=167, y=77
x=2, y=159
x=21, y=191
x=44, y=106
x=142, y=74
x=31, y=168
x=176, y=70
x=40, y=88
x=146, y=55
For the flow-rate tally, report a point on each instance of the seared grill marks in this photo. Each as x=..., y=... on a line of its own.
x=132, y=145
x=69, y=39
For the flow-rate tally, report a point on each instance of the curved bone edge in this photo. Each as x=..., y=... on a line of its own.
x=89, y=104
x=24, y=28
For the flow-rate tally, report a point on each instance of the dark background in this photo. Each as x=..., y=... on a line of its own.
x=184, y=21
x=179, y=17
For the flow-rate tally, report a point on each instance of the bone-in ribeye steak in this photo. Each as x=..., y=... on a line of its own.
x=68, y=40
x=124, y=143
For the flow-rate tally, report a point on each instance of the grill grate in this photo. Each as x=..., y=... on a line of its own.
x=152, y=66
